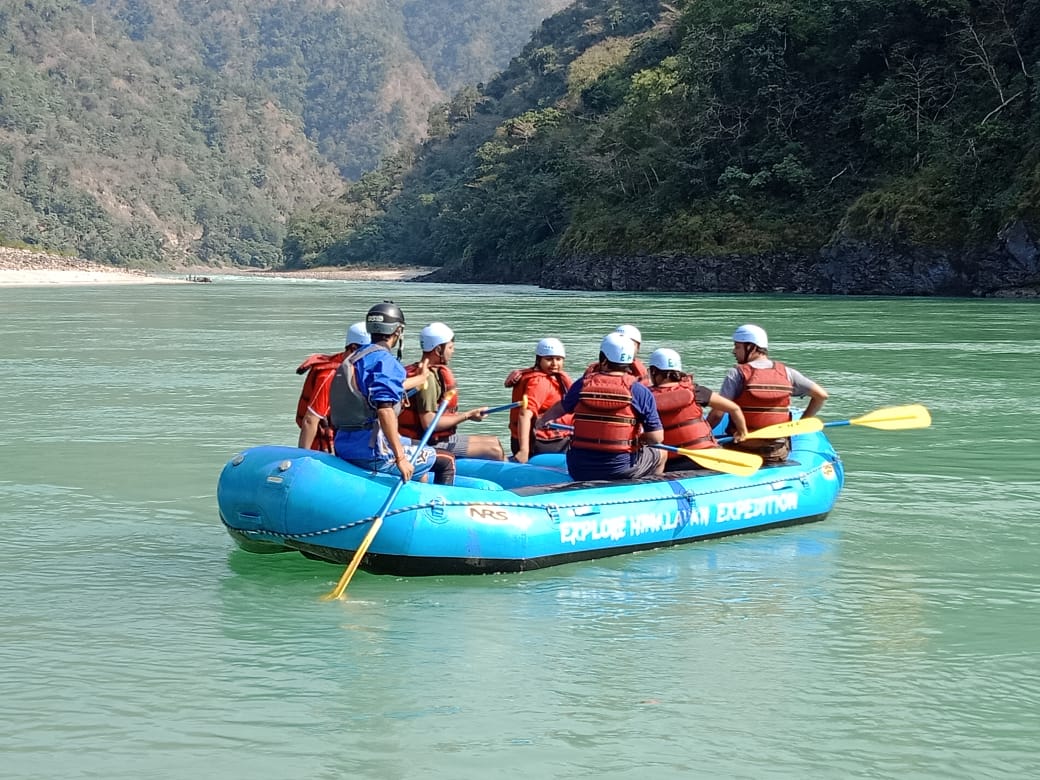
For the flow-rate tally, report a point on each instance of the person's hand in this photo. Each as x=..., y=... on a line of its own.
x=522, y=456
x=405, y=467
x=424, y=369
x=739, y=436
x=513, y=378
x=477, y=415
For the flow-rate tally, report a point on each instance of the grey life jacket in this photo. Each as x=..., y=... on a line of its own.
x=349, y=409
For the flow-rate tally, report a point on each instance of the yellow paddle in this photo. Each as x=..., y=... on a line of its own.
x=891, y=418
x=352, y=567
x=783, y=430
x=743, y=464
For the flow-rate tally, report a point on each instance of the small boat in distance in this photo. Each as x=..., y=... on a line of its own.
x=507, y=517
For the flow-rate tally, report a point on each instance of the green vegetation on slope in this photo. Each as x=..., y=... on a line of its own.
x=714, y=126
x=136, y=131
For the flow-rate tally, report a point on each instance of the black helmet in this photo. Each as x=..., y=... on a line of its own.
x=384, y=318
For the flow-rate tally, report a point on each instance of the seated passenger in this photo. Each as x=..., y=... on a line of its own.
x=544, y=385
x=437, y=342
x=636, y=367
x=680, y=403
x=763, y=389
x=312, y=408
x=615, y=418
x=364, y=398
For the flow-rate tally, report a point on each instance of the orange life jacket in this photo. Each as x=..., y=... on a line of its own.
x=635, y=368
x=766, y=397
x=604, y=418
x=319, y=369
x=682, y=417
x=408, y=422
x=560, y=383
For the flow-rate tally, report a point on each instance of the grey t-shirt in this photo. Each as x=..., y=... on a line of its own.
x=733, y=384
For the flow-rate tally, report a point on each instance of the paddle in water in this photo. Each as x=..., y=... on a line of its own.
x=377, y=522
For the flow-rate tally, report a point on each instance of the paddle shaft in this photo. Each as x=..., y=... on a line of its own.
x=503, y=407
x=782, y=430
x=352, y=567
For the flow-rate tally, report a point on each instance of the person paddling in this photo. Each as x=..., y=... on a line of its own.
x=437, y=342
x=763, y=389
x=364, y=398
x=680, y=403
x=615, y=418
x=312, y=409
x=543, y=385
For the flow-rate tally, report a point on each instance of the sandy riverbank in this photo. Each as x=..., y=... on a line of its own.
x=25, y=268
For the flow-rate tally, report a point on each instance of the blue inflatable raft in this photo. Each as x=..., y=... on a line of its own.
x=507, y=517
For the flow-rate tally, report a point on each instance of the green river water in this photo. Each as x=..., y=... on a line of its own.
x=900, y=638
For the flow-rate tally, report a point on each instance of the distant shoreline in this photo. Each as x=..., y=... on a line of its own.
x=28, y=268
x=369, y=273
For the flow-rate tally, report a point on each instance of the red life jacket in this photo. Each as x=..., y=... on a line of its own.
x=408, y=422
x=635, y=368
x=319, y=369
x=682, y=417
x=604, y=419
x=766, y=397
x=560, y=384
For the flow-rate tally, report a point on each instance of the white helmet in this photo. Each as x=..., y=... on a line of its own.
x=433, y=335
x=618, y=349
x=666, y=360
x=358, y=335
x=751, y=334
x=630, y=331
x=550, y=348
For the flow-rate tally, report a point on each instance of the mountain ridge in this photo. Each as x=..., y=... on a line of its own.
x=137, y=132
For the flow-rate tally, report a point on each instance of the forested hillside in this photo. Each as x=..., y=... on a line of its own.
x=140, y=131
x=715, y=128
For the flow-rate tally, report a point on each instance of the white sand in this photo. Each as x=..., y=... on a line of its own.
x=46, y=278
x=25, y=268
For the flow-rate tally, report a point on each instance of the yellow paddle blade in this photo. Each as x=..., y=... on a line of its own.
x=789, y=428
x=743, y=464
x=352, y=567
x=896, y=418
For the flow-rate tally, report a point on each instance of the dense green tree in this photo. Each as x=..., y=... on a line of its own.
x=722, y=126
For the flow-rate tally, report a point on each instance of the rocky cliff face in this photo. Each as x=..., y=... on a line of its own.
x=1010, y=267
